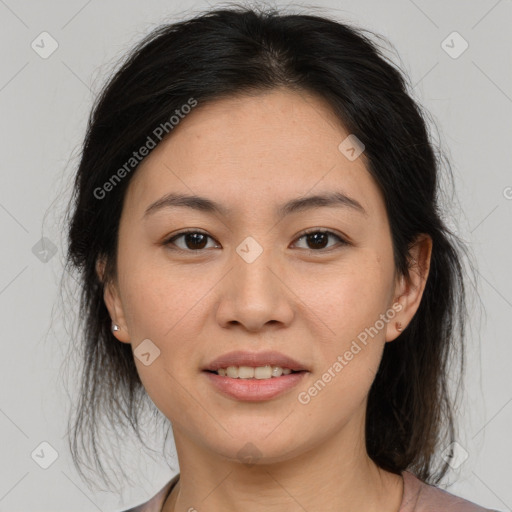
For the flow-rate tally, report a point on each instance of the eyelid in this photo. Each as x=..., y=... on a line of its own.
x=169, y=240
x=342, y=241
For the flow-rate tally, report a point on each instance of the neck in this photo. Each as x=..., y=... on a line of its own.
x=336, y=476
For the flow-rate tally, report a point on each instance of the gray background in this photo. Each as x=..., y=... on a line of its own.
x=44, y=105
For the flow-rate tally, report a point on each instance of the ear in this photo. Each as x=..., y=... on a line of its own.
x=113, y=303
x=409, y=289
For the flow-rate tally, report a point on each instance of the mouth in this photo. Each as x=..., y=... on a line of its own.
x=259, y=388
x=254, y=376
x=254, y=373
x=246, y=365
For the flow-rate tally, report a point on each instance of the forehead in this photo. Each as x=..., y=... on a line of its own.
x=248, y=149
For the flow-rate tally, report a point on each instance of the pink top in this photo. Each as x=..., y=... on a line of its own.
x=417, y=497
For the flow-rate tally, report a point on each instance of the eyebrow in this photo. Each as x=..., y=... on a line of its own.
x=203, y=204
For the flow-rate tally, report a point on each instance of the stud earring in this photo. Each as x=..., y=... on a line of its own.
x=399, y=326
x=115, y=327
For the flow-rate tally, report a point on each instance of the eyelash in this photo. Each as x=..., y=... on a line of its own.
x=170, y=241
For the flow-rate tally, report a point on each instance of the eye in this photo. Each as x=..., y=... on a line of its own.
x=318, y=239
x=194, y=240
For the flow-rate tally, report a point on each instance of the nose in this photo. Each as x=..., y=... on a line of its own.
x=255, y=294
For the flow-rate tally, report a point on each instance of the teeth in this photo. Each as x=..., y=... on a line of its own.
x=248, y=372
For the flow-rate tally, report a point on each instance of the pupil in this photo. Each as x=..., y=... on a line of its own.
x=196, y=239
x=317, y=240
x=314, y=237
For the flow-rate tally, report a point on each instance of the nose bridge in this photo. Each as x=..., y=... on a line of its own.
x=252, y=269
x=254, y=295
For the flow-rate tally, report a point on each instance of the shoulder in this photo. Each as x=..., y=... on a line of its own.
x=156, y=502
x=421, y=497
x=418, y=497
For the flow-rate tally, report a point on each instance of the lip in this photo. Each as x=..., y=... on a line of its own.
x=254, y=390
x=255, y=359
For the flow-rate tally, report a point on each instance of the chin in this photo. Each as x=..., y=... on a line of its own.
x=254, y=448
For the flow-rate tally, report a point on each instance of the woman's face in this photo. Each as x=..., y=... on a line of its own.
x=254, y=282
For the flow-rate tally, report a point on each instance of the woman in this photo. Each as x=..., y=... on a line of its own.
x=257, y=226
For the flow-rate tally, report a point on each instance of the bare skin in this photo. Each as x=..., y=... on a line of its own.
x=251, y=154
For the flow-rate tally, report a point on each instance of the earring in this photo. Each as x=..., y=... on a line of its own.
x=115, y=327
x=399, y=326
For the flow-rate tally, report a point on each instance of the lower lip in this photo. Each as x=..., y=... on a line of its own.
x=254, y=390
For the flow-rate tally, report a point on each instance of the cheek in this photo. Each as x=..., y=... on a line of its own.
x=350, y=295
x=351, y=304
x=168, y=308
x=158, y=301
x=165, y=311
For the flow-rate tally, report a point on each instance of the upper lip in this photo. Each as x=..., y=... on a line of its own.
x=254, y=359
